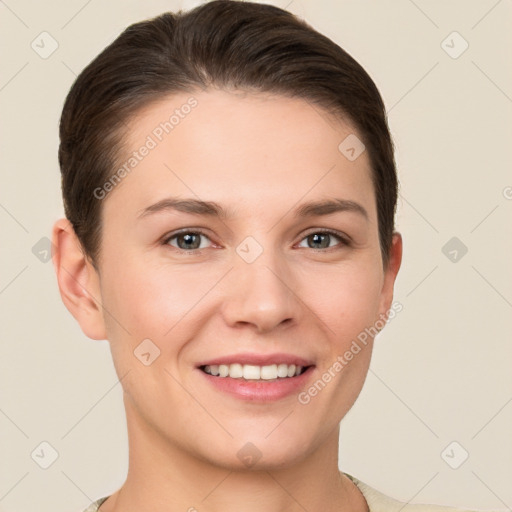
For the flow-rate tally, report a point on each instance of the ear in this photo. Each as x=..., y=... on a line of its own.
x=390, y=273
x=78, y=280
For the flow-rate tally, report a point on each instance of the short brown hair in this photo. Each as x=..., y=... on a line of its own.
x=223, y=44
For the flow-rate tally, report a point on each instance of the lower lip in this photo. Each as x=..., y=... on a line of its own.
x=259, y=390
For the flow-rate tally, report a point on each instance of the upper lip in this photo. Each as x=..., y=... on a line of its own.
x=258, y=359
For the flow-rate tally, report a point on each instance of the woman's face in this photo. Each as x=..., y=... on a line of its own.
x=261, y=279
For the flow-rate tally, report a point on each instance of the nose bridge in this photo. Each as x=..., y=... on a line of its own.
x=260, y=291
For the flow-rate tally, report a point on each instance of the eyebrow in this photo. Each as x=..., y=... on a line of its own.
x=213, y=209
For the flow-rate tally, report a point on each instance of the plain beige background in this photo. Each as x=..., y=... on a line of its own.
x=441, y=370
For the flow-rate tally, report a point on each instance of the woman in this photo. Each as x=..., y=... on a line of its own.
x=230, y=189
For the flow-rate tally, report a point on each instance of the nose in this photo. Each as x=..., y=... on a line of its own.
x=261, y=295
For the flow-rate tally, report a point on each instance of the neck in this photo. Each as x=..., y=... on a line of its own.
x=168, y=477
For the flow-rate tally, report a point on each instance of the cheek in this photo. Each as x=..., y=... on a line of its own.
x=145, y=313
x=349, y=302
x=158, y=302
x=348, y=308
x=148, y=300
x=136, y=305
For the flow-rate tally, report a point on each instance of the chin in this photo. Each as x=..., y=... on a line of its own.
x=257, y=453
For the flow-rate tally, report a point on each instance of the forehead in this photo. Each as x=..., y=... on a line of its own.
x=239, y=146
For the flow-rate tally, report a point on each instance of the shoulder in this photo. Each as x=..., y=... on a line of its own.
x=93, y=507
x=378, y=502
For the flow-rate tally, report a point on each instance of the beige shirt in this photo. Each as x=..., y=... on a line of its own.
x=377, y=502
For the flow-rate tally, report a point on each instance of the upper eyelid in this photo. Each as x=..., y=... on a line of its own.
x=344, y=239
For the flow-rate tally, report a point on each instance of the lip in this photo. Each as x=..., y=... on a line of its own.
x=258, y=360
x=259, y=390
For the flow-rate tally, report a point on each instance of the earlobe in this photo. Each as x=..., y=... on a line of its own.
x=78, y=281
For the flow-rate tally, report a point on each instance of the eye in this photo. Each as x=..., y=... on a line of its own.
x=322, y=239
x=187, y=241
x=190, y=241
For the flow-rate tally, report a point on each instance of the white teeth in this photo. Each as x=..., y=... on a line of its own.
x=269, y=372
x=253, y=372
x=236, y=371
x=282, y=370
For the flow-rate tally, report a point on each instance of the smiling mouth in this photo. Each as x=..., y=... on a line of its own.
x=269, y=373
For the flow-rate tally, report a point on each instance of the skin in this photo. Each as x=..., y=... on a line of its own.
x=260, y=157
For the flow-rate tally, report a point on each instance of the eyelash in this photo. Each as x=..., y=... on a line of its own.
x=341, y=237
